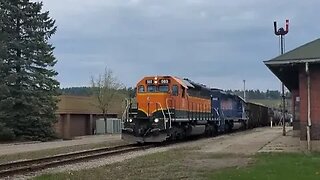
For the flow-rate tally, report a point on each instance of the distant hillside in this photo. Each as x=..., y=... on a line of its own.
x=270, y=98
x=76, y=91
x=267, y=102
x=117, y=104
x=273, y=103
x=87, y=91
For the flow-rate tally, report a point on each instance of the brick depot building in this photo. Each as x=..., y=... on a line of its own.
x=77, y=116
x=299, y=70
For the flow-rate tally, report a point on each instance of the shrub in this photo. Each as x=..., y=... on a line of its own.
x=6, y=134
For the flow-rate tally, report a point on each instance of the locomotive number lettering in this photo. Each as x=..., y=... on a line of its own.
x=149, y=81
x=164, y=81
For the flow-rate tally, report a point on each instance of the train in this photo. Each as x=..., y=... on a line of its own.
x=171, y=108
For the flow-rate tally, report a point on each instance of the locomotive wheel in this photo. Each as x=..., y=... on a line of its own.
x=244, y=126
x=140, y=143
x=211, y=131
x=173, y=136
x=181, y=135
x=227, y=128
x=214, y=131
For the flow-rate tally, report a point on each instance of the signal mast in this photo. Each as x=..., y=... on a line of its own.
x=281, y=32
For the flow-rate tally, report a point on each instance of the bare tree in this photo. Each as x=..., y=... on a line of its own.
x=105, y=89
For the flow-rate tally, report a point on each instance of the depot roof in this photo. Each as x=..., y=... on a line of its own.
x=286, y=66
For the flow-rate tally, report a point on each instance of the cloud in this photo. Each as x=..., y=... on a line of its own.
x=219, y=43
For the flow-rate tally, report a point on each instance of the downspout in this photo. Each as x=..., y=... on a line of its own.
x=309, y=108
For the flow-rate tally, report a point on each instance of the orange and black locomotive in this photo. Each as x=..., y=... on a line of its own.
x=168, y=107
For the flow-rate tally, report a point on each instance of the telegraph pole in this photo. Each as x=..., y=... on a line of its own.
x=282, y=32
x=244, y=90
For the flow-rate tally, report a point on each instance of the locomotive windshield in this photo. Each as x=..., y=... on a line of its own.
x=160, y=88
x=163, y=88
x=152, y=88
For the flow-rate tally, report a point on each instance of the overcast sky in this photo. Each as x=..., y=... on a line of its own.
x=217, y=43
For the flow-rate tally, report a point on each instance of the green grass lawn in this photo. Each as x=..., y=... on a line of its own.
x=275, y=166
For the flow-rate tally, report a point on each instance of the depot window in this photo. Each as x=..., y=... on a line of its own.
x=163, y=88
x=151, y=88
x=141, y=89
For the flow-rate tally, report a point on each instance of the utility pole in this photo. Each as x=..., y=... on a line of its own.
x=244, y=90
x=281, y=32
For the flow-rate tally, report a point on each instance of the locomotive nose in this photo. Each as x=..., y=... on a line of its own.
x=154, y=104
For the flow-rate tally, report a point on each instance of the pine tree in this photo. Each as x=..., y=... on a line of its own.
x=27, y=86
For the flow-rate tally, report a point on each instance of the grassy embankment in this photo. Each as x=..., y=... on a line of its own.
x=192, y=164
x=274, y=103
x=267, y=102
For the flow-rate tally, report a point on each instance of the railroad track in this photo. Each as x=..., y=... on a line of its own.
x=25, y=166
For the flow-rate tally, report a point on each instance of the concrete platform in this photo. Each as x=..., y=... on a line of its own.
x=252, y=141
x=288, y=143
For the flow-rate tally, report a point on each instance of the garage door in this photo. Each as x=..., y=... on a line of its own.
x=78, y=125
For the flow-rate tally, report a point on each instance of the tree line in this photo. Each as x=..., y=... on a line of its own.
x=88, y=91
x=257, y=94
x=250, y=94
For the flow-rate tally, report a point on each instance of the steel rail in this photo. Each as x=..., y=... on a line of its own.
x=25, y=166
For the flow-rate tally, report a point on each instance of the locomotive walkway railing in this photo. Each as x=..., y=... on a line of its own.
x=125, y=113
x=168, y=109
x=164, y=116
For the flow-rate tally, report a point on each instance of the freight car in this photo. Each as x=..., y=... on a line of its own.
x=258, y=114
x=170, y=108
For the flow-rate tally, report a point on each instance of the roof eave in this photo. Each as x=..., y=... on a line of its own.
x=284, y=62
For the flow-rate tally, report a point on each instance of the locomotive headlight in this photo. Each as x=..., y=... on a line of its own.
x=156, y=120
x=130, y=120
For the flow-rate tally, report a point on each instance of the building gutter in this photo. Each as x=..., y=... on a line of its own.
x=309, y=106
x=291, y=61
